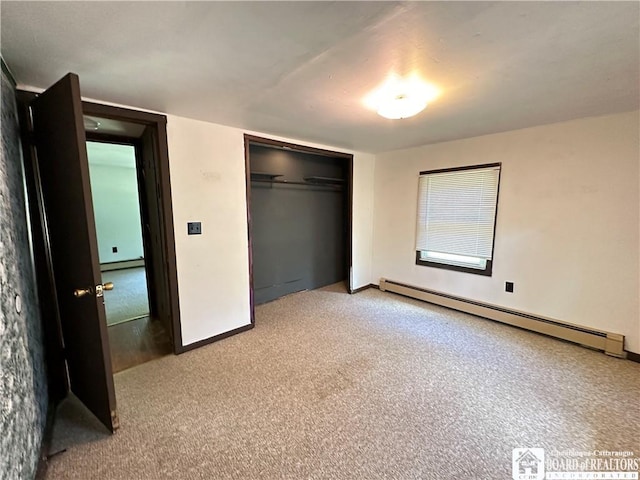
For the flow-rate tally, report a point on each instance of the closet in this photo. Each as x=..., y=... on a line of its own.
x=299, y=219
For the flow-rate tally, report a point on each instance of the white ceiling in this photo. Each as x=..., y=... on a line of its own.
x=113, y=127
x=302, y=69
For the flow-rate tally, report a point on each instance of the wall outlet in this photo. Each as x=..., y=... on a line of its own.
x=114, y=249
x=508, y=287
x=194, y=228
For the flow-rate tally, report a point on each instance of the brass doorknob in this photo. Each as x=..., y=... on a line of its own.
x=81, y=292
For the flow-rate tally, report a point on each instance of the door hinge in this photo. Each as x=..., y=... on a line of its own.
x=115, y=421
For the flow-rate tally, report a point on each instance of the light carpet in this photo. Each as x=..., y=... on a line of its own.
x=367, y=386
x=129, y=298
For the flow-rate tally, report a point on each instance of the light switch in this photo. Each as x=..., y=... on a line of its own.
x=194, y=228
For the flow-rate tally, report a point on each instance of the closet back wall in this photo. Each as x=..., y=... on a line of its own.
x=298, y=229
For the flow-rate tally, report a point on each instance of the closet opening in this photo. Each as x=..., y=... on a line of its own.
x=299, y=203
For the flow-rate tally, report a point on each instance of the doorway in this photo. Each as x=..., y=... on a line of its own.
x=145, y=133
x=134, y=336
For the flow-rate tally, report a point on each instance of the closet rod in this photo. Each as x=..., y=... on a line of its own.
x=287, y=182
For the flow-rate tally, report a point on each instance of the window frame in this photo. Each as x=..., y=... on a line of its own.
x=488, y=270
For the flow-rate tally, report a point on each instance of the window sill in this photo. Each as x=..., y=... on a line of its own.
x=485, y=273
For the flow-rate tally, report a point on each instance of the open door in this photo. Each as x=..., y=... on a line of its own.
x=63, y=172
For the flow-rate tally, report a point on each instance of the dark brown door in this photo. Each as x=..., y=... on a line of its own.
x=66, y=191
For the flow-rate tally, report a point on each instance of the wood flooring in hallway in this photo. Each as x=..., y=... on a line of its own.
x=136, y=342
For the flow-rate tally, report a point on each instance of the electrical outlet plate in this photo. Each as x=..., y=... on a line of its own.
x=194, y=228
x=508, y=287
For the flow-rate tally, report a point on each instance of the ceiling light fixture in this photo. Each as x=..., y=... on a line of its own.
x=401, y=97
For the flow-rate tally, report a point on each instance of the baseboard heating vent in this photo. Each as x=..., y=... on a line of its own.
x=121, y=265
x=610, y=343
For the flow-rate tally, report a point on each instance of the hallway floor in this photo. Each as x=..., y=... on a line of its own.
x=136, y=342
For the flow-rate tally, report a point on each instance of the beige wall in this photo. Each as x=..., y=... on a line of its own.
x=567, y=228
x=207, y=168
x=208, y=185
x=363, y=182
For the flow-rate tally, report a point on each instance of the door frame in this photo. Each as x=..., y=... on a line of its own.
x=158, y=123
x=270, y=142
x=54, y=343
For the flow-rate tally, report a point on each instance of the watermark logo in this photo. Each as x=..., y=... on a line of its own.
x=531, y=464
x=528, y=464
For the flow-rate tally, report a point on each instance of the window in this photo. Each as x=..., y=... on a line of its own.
x=456, y=218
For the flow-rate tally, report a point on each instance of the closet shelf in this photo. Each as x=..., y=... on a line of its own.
x=265, y=175
x=324, y=180
x=273, y=178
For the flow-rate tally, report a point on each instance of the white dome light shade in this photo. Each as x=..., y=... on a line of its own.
x=401, y=97
x=402, y=106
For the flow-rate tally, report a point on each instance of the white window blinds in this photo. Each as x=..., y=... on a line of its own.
x=456, y=211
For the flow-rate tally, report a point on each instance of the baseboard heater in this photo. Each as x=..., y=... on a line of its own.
x=610, y=343
x=121, y=265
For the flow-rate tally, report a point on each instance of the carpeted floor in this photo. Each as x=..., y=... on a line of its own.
x=128, y=299
x=365, y=386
